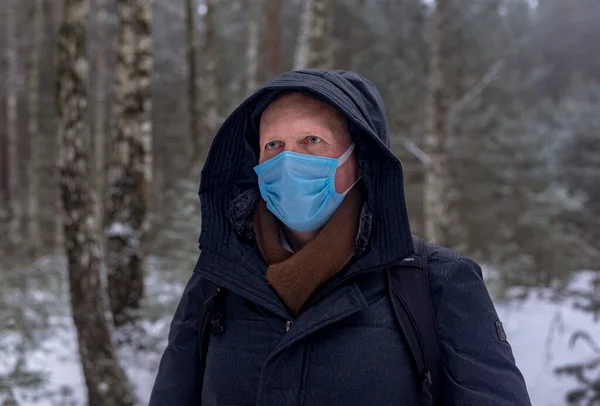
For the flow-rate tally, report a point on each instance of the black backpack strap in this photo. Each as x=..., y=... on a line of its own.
x=210, y=319
x=411, y=302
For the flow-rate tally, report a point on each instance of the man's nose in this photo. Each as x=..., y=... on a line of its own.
x=293, y=147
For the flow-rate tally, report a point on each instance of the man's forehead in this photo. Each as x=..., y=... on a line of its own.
x=291, y=102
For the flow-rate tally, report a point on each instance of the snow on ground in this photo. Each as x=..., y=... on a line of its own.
x=538, y=329
x=58, y=359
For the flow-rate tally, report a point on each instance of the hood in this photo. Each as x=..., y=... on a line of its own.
x=228, y=171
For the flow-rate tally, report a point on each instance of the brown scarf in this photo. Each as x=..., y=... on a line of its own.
x=295, y=277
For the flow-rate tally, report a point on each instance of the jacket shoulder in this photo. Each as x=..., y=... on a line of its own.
x=444, y=254
x=476, y=356
x=441, y=261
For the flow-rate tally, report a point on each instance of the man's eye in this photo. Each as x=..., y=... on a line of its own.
x=313, y=139
x=272, y=144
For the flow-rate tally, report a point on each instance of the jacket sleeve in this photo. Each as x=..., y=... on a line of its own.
x=479, y=367
x=178, y=382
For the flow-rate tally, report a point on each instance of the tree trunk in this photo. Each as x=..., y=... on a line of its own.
x=436, y=204
x=330, y=43
x=210, y=90
x=358, y=34
x=252, y=51
x=192, y=54
x=105, y=380
x=312, y=45
x=274, y=36
x=99, y=138
x=33, y=195
x=302, y=44
x=4, y=188
x=318, y=44
x=131, y=167
x=56, y=19
x=12, y=137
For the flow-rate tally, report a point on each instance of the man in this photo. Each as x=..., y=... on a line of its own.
x=303, y=221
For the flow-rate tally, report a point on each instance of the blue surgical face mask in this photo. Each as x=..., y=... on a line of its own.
x=300, y=189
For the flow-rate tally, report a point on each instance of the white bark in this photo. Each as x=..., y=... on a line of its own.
x=105, y=380
x=318, y=48
x=302, y=44
x=131, y=168
x=312, y=48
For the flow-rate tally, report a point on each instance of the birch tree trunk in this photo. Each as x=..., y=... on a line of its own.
x=105, y=380
x=302, y=44
x=99, y=138
x=192, y=55
x=436, y=204
x=131, y=167
x=274, y=36
x=313, y=46
x=33, y=195
x=318, y=44
x=210, y=88
x=252, y=50
x=12, y=136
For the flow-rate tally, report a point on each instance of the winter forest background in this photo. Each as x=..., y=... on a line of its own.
x=107, y=109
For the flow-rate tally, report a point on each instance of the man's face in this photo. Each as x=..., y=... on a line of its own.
x=298, y=123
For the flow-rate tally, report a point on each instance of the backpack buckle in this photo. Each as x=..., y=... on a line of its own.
x=217, y=327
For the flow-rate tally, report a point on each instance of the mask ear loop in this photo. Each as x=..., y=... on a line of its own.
x=352, y=185
x=342, y=160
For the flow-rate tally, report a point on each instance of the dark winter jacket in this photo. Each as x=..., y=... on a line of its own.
x=344, y=348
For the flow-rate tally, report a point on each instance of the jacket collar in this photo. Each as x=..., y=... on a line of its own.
x=241, y=210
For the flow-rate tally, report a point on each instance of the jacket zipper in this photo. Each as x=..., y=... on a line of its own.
x=288, y=325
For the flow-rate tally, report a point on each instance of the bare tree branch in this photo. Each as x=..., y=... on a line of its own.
x=488, y=77
x=411, y=147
